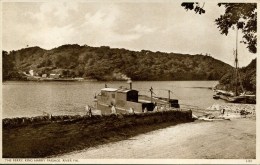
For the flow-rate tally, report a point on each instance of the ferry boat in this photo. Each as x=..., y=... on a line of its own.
x=126, y=100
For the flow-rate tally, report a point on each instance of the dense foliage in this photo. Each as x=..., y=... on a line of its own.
x=247, y=78
x=194, y=6
x=104, y=63
x=237, y=15
x=244, y=17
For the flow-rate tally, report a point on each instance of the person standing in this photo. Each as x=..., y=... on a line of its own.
x=86, y=109
x=155, y=108
x=131, y=110
x=89, y=110
x=145, y=110
x=113, y=109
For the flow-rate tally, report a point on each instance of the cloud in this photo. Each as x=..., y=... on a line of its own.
x=143, y=29
x=54, y=24
x=58, y=11
x=53, y=36
x=105, y=17
x=102, y=27
x=153, y=26
x=51, y=24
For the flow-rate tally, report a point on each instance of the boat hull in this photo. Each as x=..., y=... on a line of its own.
x=239, y=99
x=216, y=96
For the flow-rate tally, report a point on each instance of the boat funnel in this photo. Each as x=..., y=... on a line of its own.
x=129, y=81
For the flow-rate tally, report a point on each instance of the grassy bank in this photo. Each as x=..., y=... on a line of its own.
x=43, y=138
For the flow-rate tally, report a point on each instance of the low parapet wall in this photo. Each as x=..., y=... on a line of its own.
x=44, y=136
x=161, y=116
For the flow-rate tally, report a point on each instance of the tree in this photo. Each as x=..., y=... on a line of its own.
x=190, y=6
x=244, y=17
x=237, y=15
x=8, y=65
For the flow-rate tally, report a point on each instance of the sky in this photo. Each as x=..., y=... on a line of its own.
x=136, y=25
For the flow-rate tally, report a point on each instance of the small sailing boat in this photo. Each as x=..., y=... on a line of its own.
x=235, y=97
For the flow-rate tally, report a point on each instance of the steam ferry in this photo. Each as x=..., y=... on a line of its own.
x=126, y=100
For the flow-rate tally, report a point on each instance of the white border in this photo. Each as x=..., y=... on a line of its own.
x=139, y=161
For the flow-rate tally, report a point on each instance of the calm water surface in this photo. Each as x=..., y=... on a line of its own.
x=60, y=98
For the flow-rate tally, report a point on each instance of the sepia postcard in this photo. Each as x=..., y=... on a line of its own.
x=129, y=82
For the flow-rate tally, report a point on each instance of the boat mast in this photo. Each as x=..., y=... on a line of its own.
x=151, y=90
x=236, y=65
x=169, y=95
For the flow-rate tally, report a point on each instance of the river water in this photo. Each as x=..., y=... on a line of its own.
x=69, y=98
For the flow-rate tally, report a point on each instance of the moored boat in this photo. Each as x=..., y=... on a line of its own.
x=236, y=97
x=216, y=96
x=128, y=100
x=246, y=99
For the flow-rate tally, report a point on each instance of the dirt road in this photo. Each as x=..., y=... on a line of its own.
x=235, y=139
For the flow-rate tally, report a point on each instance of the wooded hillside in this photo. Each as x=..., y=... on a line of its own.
x=105, y=63
x=247, y=78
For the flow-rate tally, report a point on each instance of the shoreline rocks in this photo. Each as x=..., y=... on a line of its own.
x=233, y=107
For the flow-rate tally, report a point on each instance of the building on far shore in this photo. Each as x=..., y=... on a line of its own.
x=44, y=76
x=31, y=72
x=55, y=76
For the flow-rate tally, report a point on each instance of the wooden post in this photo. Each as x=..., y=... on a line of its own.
x=151, y=90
